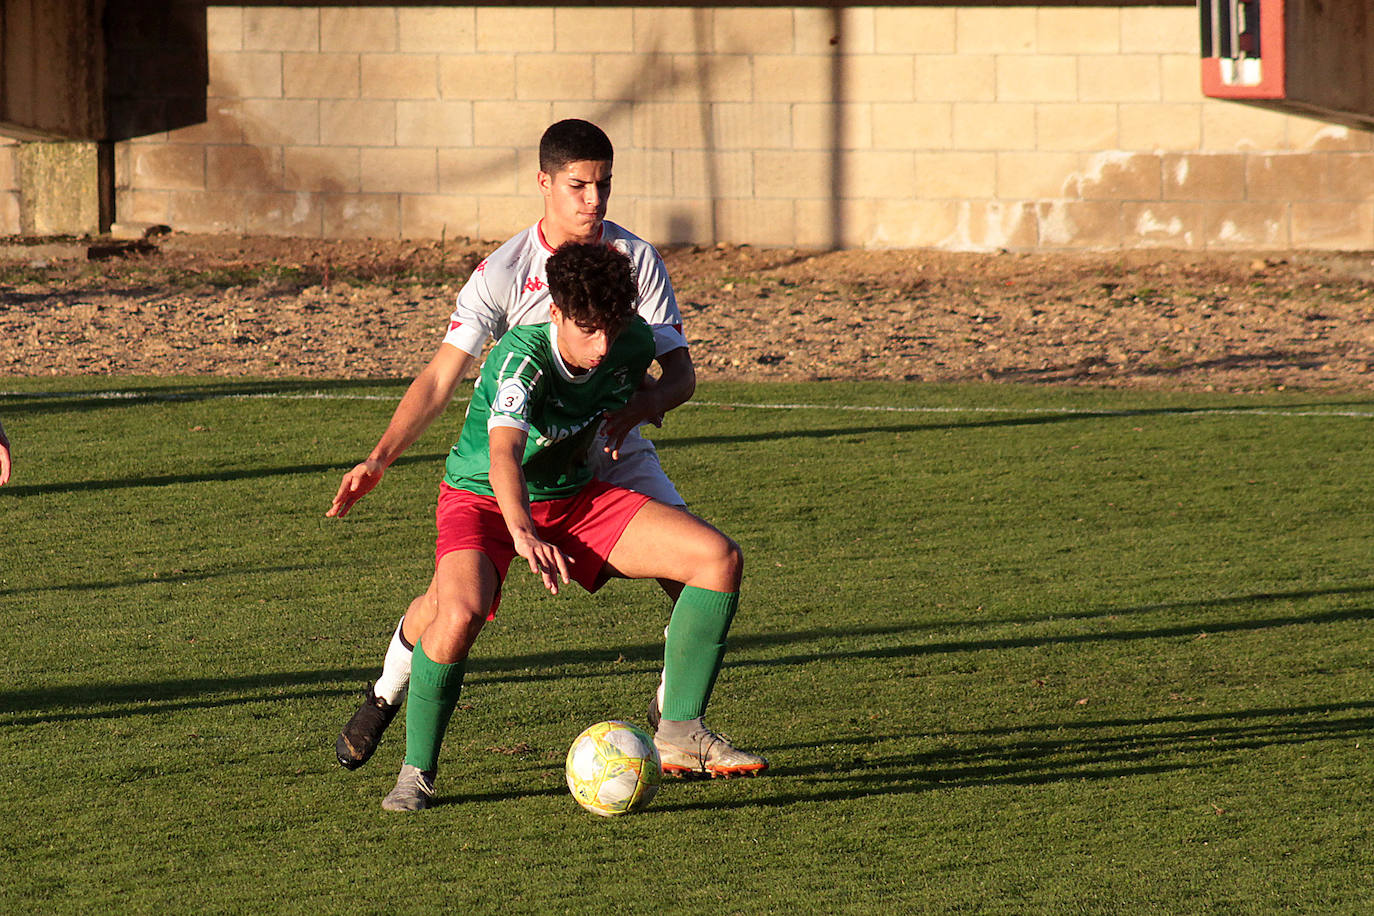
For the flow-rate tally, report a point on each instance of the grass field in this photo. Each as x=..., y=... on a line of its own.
x=1010, y=650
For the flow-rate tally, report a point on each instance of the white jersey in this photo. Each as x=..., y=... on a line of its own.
x=511, y=288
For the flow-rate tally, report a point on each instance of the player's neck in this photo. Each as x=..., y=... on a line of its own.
x=552, y=236
x=564, y=358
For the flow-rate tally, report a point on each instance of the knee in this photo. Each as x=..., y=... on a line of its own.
x=458, y=615
x=461, y=620
x=727, y=560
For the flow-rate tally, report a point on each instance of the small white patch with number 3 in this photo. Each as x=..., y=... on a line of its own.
x=511, y=396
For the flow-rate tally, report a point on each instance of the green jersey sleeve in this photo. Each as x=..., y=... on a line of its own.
x=516, y=386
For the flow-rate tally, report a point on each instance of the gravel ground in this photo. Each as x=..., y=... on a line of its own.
x=230, y=306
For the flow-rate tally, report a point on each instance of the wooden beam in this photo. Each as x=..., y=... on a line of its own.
x=52, y=69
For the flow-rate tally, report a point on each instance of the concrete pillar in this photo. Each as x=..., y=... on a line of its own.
x=65, y=188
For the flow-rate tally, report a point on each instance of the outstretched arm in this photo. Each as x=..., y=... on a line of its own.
x=4, y=457
x=424, y=400
x=675, y=386
x=507, y=449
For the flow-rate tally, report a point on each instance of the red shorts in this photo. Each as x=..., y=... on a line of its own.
x=585, y=526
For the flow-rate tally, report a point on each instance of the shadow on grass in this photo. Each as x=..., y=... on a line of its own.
x=171, y=579
x=140, y=393
x=1047, y=753
x=641, y=659
x=164, y=480
x=148, y=698
x=79, y=702
x=1193, y=628
x=1077, y=751
x=1023, y=420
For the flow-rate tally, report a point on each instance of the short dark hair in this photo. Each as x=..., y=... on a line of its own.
x=573, y=140
x=593, y=284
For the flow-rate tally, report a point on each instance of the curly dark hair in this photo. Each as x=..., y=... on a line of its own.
x=573, y=140
x=593, y=284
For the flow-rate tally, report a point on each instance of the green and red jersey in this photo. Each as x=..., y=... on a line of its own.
x=525, y=384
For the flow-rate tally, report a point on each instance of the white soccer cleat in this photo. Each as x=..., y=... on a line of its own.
x=414, y=790
x=707, y=754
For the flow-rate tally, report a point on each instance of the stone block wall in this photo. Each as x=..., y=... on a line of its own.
x=9, y=187
x=954, y=127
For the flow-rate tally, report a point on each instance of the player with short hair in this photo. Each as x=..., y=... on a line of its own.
x=518, y=482
x=510, y=289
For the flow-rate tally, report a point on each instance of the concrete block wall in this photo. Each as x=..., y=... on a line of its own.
x=9, y=187
x=967, y=128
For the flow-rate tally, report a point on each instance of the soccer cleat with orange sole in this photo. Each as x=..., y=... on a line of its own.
x=709, y=754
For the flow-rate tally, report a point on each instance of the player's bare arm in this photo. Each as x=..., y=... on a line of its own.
x=4, y=457
x=507, y=449
x=422, y=403
x=674, y=387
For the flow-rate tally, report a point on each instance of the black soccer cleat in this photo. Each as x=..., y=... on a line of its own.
x=362, y=734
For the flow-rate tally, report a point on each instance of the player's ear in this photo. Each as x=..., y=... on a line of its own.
x=545, y=181
x=555, y=313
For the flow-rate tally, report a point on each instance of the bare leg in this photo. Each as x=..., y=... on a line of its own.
x=662, y=542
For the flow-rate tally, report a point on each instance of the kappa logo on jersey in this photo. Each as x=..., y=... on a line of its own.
x=534, y=285
x=511, y=397
x=481, y=267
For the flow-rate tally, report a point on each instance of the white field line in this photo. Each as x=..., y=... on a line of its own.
x=739, y=405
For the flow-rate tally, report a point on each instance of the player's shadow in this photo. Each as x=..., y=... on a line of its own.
x=231, y=474
x=92, y=702
x=140, y=394
x=1078, y=751
x=178, y=578
x=145, y=698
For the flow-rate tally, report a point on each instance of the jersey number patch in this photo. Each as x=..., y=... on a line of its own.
x=511, y=397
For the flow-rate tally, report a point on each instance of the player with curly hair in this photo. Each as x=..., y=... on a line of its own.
x=519, y=483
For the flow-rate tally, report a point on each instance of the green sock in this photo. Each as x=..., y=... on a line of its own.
x=434, y=690
x=694, y=650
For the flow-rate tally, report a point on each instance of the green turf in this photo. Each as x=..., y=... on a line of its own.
x=1010, y=650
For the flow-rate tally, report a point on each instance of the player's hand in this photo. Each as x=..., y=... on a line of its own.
x=643, y=407
x=356, y=484
x=546, y=561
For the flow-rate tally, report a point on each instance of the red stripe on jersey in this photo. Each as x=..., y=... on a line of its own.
x=539, y=228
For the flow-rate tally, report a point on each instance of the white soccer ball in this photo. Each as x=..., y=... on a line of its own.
x=613, y=768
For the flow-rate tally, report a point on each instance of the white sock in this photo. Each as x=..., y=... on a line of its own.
x=662, y=679
x=395, y=677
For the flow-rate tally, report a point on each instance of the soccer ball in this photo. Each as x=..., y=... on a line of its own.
x=613, y=768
